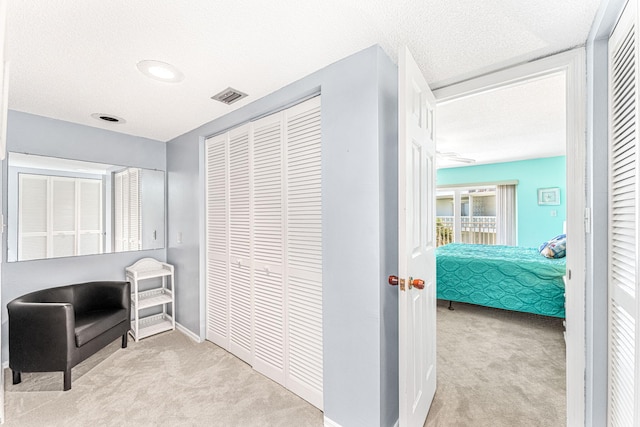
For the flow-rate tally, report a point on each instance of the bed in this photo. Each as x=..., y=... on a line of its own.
x=506, y=277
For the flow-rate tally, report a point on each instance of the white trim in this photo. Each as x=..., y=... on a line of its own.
x=597, y=198
x=5, y=364
x=525, y=72
x=479, y=184
x=188, y=333
x=330, y=423
x=572, y=64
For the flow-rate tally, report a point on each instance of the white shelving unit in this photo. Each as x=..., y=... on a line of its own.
x=144, y=269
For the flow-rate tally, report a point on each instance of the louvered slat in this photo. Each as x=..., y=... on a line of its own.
x=63, y=217
x=118, y=217
x=268, y=247
x=267, y=191
x=63, y=199
x=239, y=216
x=240, y=317
x=217, y=242
x=304, y=250
x=90, y=217
x=135, y=225
x=269, y=324
x=623, y=221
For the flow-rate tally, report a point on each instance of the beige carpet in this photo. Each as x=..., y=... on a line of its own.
x=164, y=380
x=498, y=368
x=495, y=368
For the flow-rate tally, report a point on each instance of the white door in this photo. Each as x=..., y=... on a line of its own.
x=417, y=266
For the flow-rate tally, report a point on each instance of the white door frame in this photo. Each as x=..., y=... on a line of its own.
x=572, y=64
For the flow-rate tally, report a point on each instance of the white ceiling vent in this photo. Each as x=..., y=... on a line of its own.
x=229, y=96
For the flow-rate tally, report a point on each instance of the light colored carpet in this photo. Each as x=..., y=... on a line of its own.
x=166, y=380
x=495, y=368
x=498, y=368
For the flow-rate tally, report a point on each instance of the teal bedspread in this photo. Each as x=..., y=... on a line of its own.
x=507, y=277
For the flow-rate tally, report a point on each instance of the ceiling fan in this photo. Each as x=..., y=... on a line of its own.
x=453, y=157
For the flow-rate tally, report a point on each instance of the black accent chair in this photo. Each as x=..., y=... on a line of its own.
x=55, y=329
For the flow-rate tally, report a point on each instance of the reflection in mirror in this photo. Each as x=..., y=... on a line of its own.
x=61, y=207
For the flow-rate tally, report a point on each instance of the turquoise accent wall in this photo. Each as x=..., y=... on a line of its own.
x=535, y=223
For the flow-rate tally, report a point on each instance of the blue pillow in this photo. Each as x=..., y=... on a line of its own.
x=554, y=248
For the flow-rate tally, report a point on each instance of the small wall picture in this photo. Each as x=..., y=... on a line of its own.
x=549, y=196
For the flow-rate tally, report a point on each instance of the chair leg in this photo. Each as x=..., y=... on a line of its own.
x=67, y=379
x=17, y=378
x=124, y=340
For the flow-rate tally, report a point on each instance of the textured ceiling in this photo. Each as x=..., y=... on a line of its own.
x=519, y=122
x=70, y=59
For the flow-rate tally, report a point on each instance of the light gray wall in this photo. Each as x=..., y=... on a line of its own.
x=596, y=298
x=359, y=162
x=33, y=134
x=388, y=175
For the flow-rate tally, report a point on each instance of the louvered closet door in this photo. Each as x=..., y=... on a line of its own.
x=217, y=241
x=240, y=315
x=304, y=250
x=264, y=241
x=624, y=360
x=125, y=211
x=135, y=224
x=268, y=247
x=118, y=217
x=32, y=218
x=63, y=216
x=90, y=217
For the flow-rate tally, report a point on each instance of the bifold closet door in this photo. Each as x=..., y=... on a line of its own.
x=217, y=218
x=239, y=280
x=304, y=250
x=624, y=199
x=229, y=281
x=264, y=246
x=268, y=247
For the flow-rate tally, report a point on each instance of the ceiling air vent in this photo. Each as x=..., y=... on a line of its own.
x=229, y=96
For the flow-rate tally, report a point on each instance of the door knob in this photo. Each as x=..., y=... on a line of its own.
x=395, y=281
x=417, y=283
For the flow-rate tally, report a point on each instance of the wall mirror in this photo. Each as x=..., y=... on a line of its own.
x=60, y=207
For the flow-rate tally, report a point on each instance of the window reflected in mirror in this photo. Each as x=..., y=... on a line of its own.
x=61, y=207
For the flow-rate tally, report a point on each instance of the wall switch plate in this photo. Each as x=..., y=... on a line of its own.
x=179, y=236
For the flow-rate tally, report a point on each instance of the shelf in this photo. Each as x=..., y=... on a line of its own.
x=150, y=274
x=152, y=325
x=149, y=268
x=151, y=298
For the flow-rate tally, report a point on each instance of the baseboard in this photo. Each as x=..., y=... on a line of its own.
x=330, y=423
x=5, y=364
x=188, y=333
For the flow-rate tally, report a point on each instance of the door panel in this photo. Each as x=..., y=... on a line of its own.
x=416, y=184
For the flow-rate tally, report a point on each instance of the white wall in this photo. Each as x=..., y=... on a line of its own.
x=359, y=172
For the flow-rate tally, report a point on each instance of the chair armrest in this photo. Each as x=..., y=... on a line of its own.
x=40, y=334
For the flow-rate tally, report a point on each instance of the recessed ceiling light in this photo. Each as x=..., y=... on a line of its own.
x=108, y=118
x=160, y=71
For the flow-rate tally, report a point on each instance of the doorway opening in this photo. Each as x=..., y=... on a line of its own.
x=566, y=70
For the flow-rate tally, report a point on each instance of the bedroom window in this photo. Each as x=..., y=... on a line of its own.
x=479, y=215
